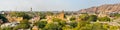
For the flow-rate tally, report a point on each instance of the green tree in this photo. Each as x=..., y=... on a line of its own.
x=3, y=18
x=98, y=26
x=7, y=28
x=114, y=28
x=84, y=17
x=41, y=24
x=53, y=26
x=56, y=20
x=92, y=18
x=21, y=14
x=67, y=27
x=23, y=25
x=115, y=15
x=87, y=27
x=81, y=25
x=42, y=16
x=104, y=19
x=72, y=18
x=73, y=24
x=105, y=26
x=49, y=13
x=62, y=23
x=59, y=21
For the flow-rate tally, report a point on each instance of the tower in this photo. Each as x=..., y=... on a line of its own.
x=31, y=9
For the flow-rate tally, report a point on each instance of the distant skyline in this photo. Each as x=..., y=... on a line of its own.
x=51, y=5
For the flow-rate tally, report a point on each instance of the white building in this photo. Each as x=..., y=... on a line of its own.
x=13, y=24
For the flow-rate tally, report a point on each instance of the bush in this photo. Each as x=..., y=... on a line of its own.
x=104, y=19
x=72, y=18
x=56, y=20
x=114, y=28
x=67, y=27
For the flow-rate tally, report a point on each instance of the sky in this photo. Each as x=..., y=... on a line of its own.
x=51, y=5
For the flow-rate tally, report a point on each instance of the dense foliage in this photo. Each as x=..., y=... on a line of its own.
x=87, y=22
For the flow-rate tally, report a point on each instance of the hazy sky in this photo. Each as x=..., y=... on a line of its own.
x=51, y=5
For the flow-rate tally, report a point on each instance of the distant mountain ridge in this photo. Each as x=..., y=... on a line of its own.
x=107, y=8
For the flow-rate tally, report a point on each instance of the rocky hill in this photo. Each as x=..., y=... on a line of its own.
x=107, y=8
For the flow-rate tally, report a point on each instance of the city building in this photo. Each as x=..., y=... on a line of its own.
x=60, y=15
x=14, y=19
x=35, y=28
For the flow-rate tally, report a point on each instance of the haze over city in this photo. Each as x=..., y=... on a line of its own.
x=51, y=5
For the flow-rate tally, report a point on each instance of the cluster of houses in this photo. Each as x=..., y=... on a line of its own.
x=14, y=21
